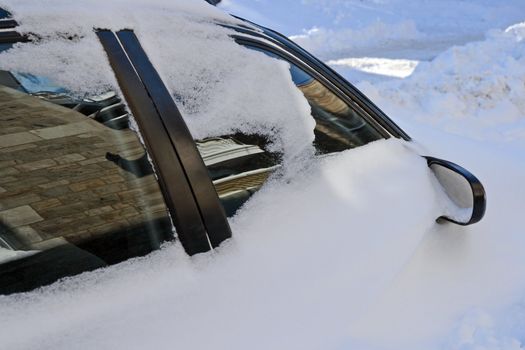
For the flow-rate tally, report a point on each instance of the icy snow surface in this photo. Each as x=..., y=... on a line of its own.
x=343, y=252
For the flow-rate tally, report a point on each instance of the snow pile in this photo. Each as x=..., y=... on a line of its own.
x=336, y=278
x=373, y=69
x=468, y=284
x=336, y=29
x=301, y=282
x=475, y=90
x=328, y=43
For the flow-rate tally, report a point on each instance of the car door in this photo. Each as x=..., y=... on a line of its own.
x=199, y=183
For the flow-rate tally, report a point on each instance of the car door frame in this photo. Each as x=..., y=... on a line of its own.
x=186, y=185
x=256, y=35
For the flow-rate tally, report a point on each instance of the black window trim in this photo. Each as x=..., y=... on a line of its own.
x=7, y=23
x=321, y=68
x=251, y=42
x=12, y=37
x=173, y=179
x=8, y=33
x=208, y=203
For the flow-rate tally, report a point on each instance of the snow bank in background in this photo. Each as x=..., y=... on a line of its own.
x=207, y=72
x=328, y=43
x=396, y=68
x=336, y=29
x=475, y=90
x=300, y=283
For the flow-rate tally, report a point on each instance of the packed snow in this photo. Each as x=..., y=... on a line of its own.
x=270, y=286
x=342, y=252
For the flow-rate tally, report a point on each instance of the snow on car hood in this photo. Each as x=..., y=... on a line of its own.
x=206, y=71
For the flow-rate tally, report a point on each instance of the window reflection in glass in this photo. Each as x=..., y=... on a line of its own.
x=238, y=165
x=77, y=191
x=338, y=125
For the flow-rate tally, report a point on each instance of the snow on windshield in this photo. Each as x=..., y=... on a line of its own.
x=207, y=72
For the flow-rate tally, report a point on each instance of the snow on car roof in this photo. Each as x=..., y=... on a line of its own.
x=60, y=16
x=205, y=70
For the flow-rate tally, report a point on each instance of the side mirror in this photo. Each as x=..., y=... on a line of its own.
x=466, y=193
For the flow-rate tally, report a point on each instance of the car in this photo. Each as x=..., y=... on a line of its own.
x=92, y=180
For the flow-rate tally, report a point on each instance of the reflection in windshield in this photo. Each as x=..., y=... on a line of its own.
x=107, y=108
x=32, y=83
x=238, y=165
x=338, y=127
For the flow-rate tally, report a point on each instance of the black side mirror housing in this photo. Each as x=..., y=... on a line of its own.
x=466, y=193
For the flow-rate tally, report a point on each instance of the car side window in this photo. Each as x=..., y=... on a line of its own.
x=77, y=190
x=339, y=126
x=238, y=166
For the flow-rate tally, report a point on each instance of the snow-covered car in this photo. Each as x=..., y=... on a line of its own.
x=97, y=161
